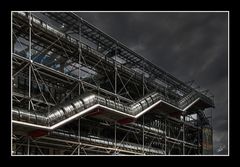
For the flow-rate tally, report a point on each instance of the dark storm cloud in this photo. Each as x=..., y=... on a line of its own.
x=188, y=45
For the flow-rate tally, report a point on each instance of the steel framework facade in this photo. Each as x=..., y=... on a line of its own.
x=78, y=91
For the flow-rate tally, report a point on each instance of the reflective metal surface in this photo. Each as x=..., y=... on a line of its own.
x=86, y=101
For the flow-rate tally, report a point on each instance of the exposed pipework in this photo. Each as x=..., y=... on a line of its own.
x=107, y=142
x=86, y=103
x=51, y=29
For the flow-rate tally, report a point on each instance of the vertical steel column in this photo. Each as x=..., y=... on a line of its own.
x=143, y=85
x=30, y=54
x=143, y=115
x=28, y=145
x=79, y=55
x=115, y=136
x=211, y=131
x=79, y=83
x=198, y=135
x=165, y=140
x=183, y=135
x=115, y=73
x=115, y=91
x=143, y=134
x=79, y=135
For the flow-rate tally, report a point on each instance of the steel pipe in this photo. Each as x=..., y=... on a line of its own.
x=63, y=113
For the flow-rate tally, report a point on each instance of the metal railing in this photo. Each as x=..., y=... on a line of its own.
x=106, y=142
x=127, y=70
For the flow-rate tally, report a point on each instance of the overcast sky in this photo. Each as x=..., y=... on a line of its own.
x=191, y=46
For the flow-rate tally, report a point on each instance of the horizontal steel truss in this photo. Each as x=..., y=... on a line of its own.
x=72, y=22
x=72, y=50
x=62, y=77
x=38, y=66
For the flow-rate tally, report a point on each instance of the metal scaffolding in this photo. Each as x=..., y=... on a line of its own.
x=78, y=91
